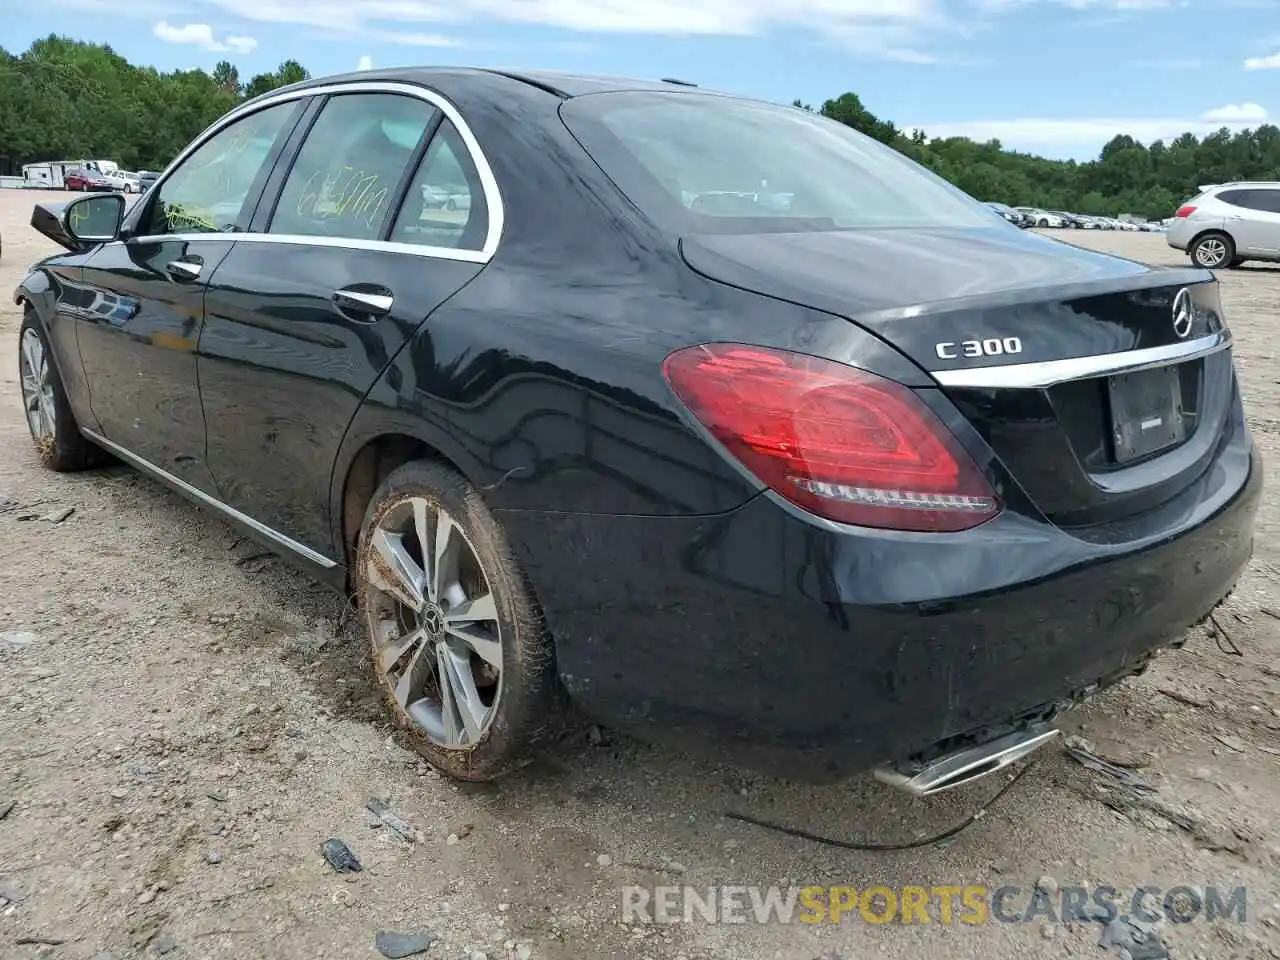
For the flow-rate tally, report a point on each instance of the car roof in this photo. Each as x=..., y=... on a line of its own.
x=576, y=85
x=1236, y=184
x=564, y=85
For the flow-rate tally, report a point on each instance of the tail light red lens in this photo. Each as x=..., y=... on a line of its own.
x=1184, y=211
x=839, y=442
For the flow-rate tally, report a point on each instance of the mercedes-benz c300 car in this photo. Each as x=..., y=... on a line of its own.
x=713, y=417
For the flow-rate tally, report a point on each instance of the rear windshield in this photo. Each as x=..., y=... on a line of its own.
x=699, y=163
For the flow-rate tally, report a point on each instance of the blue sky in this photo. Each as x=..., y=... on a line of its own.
x=1055, y=77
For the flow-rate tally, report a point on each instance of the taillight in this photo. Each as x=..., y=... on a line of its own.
x=837, y=441
x=1185, y=211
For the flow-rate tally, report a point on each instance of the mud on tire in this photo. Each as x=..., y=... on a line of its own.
x=530, y=707
x=60, y=444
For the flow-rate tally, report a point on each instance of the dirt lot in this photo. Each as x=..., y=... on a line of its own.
x=183, y=722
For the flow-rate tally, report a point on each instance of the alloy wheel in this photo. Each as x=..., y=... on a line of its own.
x=1211, y=252
x=436, y=637
x=37, y=386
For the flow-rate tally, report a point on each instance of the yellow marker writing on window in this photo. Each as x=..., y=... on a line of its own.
x=347, y=191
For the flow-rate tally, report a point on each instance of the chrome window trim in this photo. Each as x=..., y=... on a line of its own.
x=1049, y=372
x=386, y=246
x=488, y=183
x=148, y=467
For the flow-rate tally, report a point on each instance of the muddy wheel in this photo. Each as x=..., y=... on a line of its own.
x=458, y=643
x=53, y=426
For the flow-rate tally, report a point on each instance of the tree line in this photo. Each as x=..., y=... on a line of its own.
x=65, y=99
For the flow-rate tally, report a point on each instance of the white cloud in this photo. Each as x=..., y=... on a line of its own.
x=889, y=29
x=1237, y=113
x=365, y=63
x=1121, y=4
x=1083, y=138
x=1263, y=63
x=910, y=31
x=1127, y=5
x=616, y=16
x=407, y=38
x=201, y=35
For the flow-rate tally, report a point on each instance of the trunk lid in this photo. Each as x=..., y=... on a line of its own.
x=1021, y=332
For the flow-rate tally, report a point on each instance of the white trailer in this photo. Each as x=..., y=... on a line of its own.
x=51, y=174
x=42, y=175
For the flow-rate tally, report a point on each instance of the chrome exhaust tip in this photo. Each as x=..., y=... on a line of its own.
x=964, y=766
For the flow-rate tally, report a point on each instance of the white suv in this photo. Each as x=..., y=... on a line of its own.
x=1229, y=223
x=123, y=180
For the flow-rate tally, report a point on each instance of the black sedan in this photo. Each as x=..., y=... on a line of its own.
x=713, y=417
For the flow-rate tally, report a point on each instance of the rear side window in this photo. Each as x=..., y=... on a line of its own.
x=1237, y=198
x=1254, y=198
x=1268, y=200
x=445, y=204
x=700, y=163
x=345, y=177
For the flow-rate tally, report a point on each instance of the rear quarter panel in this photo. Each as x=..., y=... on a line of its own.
x=541, y=380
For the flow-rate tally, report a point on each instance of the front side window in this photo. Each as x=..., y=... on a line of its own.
x=208, y=190
x=345, y=177
x=445, y=205
x=700, y=163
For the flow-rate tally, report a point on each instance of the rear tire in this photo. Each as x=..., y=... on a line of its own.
x=441, y=593
x=59, y=442
x=1213, y=251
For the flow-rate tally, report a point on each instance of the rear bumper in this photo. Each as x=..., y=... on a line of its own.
x=763, y=638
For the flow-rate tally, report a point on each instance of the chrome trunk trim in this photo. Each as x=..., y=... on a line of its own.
x=1035, y=376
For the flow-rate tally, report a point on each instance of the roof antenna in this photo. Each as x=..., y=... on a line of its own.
x=682, y=83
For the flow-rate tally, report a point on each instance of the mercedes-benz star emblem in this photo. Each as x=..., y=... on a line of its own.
x=1183, y=315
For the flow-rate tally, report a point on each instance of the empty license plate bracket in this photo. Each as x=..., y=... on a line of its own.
x=1146, y=412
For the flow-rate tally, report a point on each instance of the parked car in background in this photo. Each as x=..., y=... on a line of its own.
x=1070, y=221
x=84, y=180
x=1041, y=218
x=123, y=180
x=1009, y=213
x=447, y=197
x=858, y=479
x=1228, y=224
x=145, y=179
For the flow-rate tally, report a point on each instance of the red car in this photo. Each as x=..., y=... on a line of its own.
x=85, y=180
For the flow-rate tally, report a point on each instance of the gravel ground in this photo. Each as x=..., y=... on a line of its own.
x=183, y=722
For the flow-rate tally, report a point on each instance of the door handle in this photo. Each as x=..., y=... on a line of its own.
x=183, y=269
x=363, y=302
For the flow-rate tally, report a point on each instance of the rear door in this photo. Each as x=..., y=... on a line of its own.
x=1261, y=224
x=143, y=297
x=338, y=271
x=1246, y=221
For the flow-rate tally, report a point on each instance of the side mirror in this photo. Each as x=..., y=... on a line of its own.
x=94, y=219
